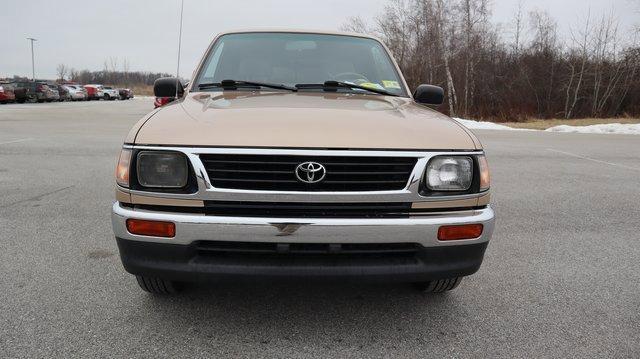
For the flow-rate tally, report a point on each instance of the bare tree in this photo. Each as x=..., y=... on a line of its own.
x=518, y=21
x=73, y=74
x=125, y=69
x=113, y=64
x=355, y=24
x=582, y=55
x=396, y=25
x=454, y=44
x=110, y=67
x=474, y=13
x=445, y=32
x=62, y=71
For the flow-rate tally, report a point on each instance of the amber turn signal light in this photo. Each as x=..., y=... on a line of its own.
x=151, y=228
x=485, y=175
x=122, y=169
x=454, y=233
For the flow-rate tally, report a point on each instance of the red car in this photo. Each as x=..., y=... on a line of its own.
x=161, y=101
x=94, y=92
x=6, y=93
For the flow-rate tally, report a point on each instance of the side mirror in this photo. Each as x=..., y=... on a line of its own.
x=166, y=87
x=429, y=95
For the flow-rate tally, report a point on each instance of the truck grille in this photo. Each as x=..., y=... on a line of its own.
x=328, y=259
x=278, y=172
x=218, y=248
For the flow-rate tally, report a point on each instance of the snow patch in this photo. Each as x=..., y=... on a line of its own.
x=609, y=128
x=483, y=125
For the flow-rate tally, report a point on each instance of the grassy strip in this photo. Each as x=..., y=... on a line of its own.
x=544, y=124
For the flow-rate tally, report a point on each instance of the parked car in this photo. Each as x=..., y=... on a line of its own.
x=35, y=91
x=269, y=165
x=161, y=101
x=7, y=94
x=110, y=93
x=62, y=91
x=94, y=92
x=125, y=94
x=53, y=89
x=76, y=92
x=19, y=92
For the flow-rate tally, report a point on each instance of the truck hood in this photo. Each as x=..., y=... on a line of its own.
x=301, y=120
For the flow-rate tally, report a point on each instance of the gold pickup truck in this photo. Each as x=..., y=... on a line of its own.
x=297, y=154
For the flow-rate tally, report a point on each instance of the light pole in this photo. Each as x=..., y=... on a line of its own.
x=33, y=66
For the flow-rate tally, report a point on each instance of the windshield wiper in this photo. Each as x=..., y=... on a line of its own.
x=234, y=85
x=334, y=85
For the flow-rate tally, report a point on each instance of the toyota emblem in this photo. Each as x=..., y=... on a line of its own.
x=310, y=172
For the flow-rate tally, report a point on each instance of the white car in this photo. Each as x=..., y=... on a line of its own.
x=110, y=93
x=76, y=93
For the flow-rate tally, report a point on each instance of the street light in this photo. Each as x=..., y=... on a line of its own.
x=33, y=66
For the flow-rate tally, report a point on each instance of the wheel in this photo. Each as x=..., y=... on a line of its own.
x=157, y=285
x=21, y=101
x=438, y=286
x=106, y=97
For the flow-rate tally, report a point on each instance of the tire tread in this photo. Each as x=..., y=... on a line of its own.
x=439, y=285
x=156, y=285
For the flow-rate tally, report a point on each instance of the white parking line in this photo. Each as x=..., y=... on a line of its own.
x=16, y=141
x=594, y=160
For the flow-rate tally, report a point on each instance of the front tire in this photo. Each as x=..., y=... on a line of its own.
x=157, y=285
x=438, y=286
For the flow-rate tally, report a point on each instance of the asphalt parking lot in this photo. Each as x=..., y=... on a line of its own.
x=561, y=277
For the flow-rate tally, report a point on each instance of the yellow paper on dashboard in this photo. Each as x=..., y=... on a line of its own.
x=372, y=85
x=391, y=84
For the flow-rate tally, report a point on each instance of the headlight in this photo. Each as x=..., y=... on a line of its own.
x=449, y=173
x=162, y=169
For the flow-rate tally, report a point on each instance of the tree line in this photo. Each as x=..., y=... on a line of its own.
x=527, y=72
x=111, y=74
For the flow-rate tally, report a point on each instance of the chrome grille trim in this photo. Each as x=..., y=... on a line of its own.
x=278, y=172
x=207, y=192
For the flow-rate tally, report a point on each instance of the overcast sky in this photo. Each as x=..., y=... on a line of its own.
x=82, y=33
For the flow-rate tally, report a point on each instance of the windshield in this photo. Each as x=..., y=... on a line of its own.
x=292, y=59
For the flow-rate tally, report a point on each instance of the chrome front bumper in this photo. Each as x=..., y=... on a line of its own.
x=420, y=229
